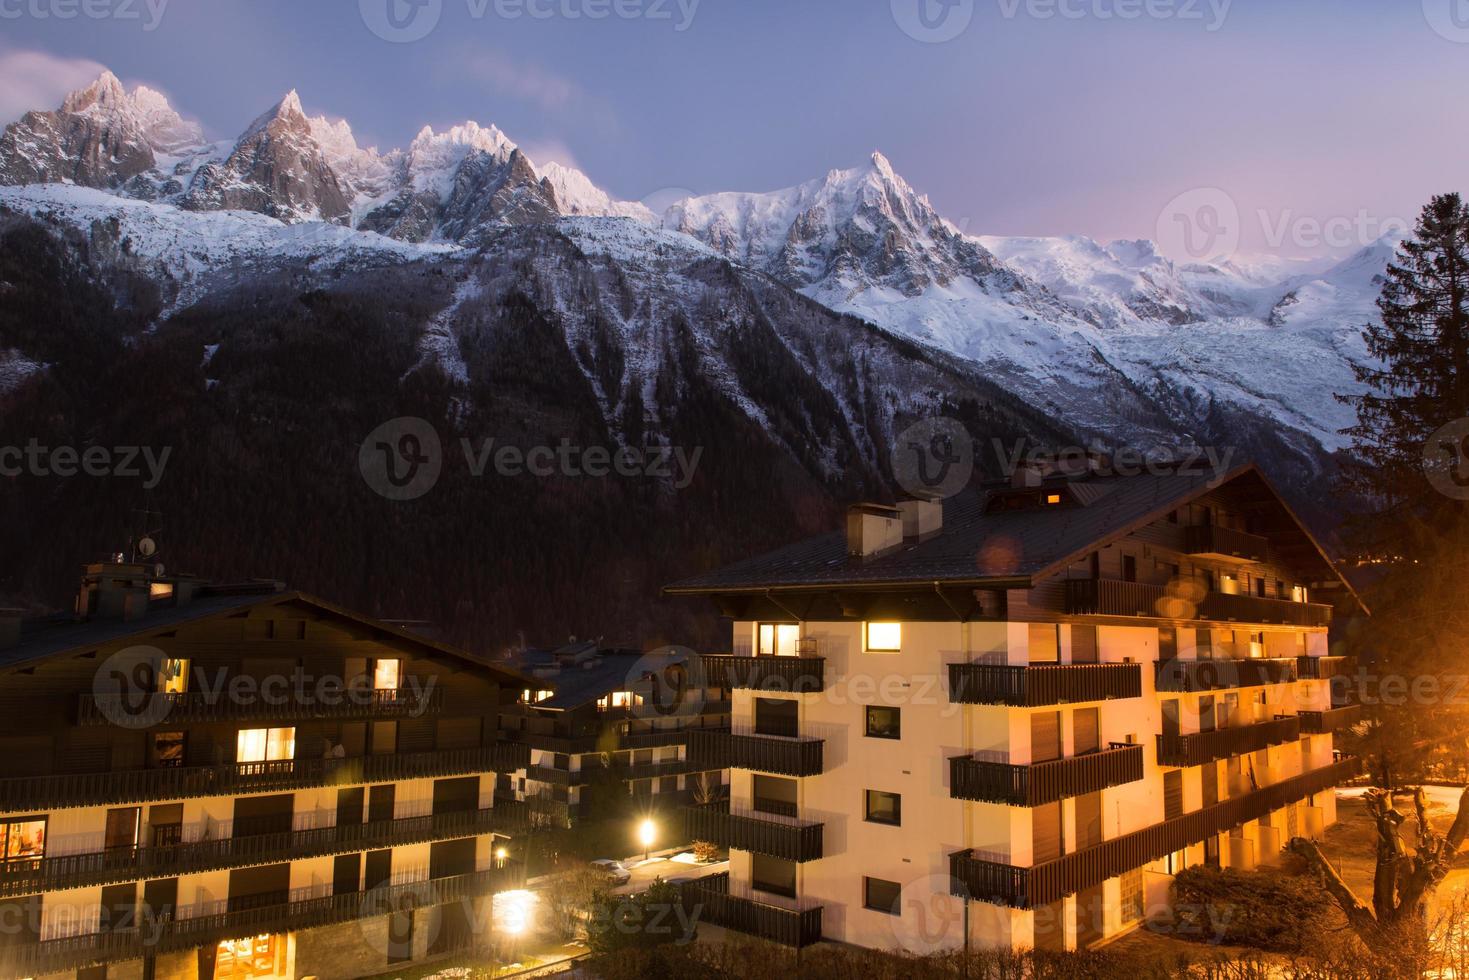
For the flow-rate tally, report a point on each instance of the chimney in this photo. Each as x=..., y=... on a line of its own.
x=1071, y=465
x=115, y=590
x=922, y=518
x=9, y=628
x=873, y=528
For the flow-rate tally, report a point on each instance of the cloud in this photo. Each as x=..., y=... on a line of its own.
x=36, y=80
x=527, y=82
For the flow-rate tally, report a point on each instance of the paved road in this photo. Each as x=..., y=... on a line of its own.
x=643, y=874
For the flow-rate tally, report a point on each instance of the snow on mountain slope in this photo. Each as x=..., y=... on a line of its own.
x=576, y=195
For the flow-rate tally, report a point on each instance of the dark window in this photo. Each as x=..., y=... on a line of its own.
x=346, y=874
x=881, y=896
x=776, y=716
x=1129, y=568
x=1167, y=643
x=122, y=827
x=1173, y=517
x=883, y=808
x=379, y=868
x=166, y=750
x=1260, y=587
x=774, y=875
x=400, y=937
x=884, y=722
x=1172, y=794
x=774, y=794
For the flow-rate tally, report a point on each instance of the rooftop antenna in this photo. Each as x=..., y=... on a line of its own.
x=143, y=544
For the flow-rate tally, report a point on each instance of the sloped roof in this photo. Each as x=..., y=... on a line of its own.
x=1011, y=548
x=57, y=635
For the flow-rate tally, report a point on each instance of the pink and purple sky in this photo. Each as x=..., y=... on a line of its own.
x=1030, y=117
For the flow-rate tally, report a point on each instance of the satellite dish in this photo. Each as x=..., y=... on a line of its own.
x=147, y=547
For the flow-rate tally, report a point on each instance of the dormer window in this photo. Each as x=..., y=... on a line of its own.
x=1052, y=499
x=528, y=696
x=386, y=675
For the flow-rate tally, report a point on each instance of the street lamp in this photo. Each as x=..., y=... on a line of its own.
x=647, y=833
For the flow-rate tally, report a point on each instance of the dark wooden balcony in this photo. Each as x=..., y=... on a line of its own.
x=1213, y=541
x=1323, y=722
x=798, y=841
x=800, y=675
x=168, y=860
x=1107, y=597
x=248, y=918
x=196, y=707
x=1044, y=782
x=184, y=782
x=1325, y=668
x=579, y=777
x=710, y=895
x=1032, y=887
x=1222, y=674
x=1039, y=685
x=1197, y=748
x=721, y=749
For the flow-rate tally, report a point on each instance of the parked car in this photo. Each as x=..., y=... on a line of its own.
x=614, y=871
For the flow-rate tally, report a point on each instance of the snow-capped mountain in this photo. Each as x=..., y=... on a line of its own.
x=1114, y=337
x=101, y=136
x=1119, y=342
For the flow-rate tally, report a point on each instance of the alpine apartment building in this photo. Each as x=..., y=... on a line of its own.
x=1008, y=719
x=204, y=781
x=618, y=721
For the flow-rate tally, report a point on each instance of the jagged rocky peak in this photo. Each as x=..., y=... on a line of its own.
x=277, y=168
x=101, y=136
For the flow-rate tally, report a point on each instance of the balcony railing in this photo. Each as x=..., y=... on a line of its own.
x=169, y=860
x=1019, y=887
x=718, y=907
x=1322, y=722
x=194, y=707
x=1107, y=597
x=1044, y=782
x=1226, y=542
x=1325, y=668
x=1222, y=674
x=1197, y=748
x=715, y=749
x=801, y=675
x=713, y=822
x=165, y=934
x=1043, y=684
x=182, y=782
x=578, y=777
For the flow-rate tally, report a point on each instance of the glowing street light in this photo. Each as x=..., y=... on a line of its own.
x=647, y=833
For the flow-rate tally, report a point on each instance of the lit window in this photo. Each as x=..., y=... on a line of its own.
x=779, y=639
x=619, y=699
x=884, y=722
x=883, y=808
x=1053, y=498
x=22, y=840
x=1298, y=593
x=884, y=637
x=386, y=675
x=532, y=697
x=160, y=590
x=265, y=745
x=173, y=676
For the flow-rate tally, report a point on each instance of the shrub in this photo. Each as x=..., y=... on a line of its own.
x=1264, y=909
x=705, y=852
